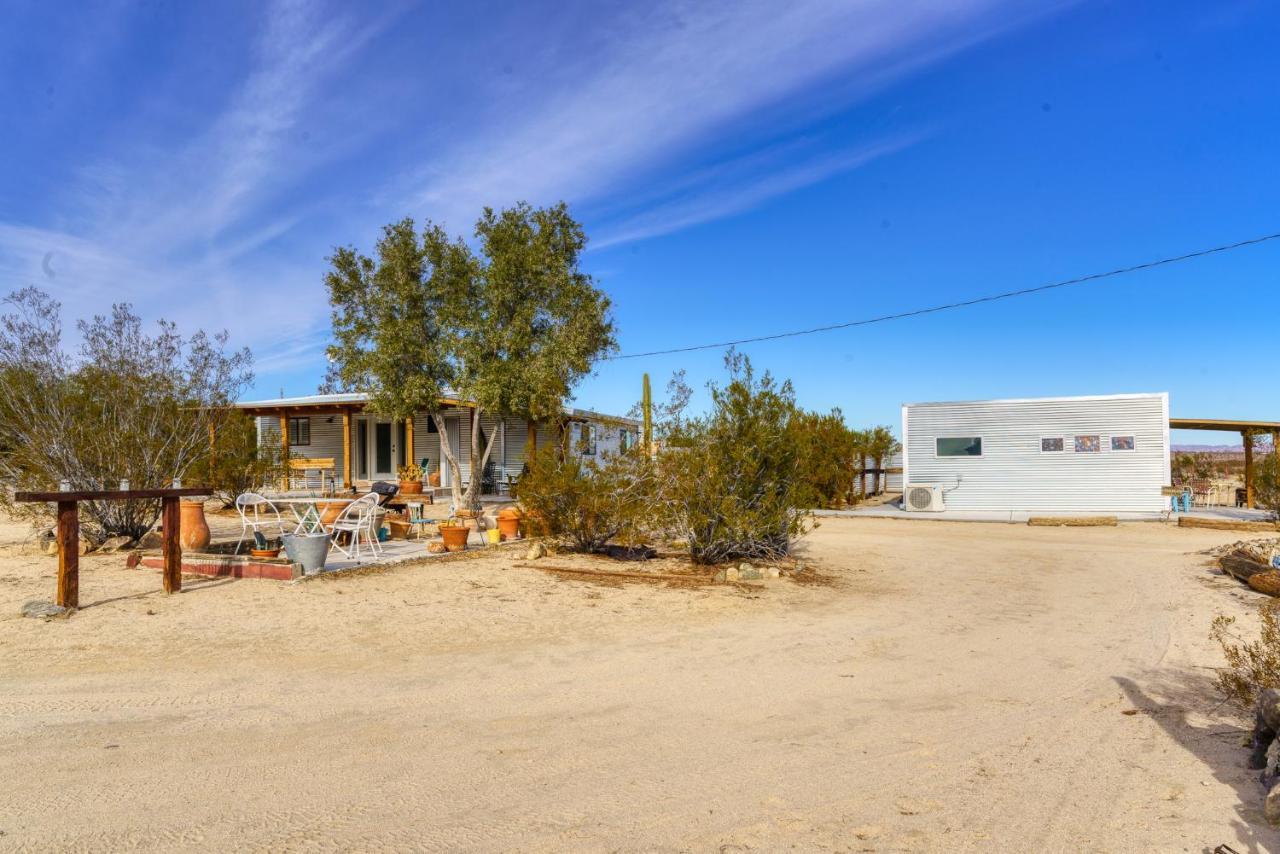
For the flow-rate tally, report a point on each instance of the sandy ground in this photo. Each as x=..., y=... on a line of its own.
x=961, y=687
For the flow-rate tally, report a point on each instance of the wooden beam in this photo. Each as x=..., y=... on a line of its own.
x=111, y=494
x=171, y=545
x=1248, y=467
x=68, y=594
x=346, y=449
x=408, y=441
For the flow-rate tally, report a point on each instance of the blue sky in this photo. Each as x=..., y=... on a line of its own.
x=742, y=168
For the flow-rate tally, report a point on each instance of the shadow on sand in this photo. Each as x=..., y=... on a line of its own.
x=1220, y=747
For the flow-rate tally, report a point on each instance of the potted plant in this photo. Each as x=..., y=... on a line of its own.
x=410, y=479
x=509, y=522
x=264, y=548
x=433, y=477
x=454, y=533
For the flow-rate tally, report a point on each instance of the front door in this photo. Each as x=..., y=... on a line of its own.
x=383, y=451
x=452, y=425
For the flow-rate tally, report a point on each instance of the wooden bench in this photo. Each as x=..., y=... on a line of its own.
x=311, y=473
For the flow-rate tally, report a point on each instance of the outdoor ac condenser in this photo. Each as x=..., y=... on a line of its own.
x=922, y=497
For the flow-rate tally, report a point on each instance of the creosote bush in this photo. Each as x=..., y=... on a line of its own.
x=237, y=463
x=1251, y=666
x=730, y=481
x=585, y=503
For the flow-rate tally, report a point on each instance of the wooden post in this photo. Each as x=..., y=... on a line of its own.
x=408, y=441
x=864, y=476
x=1248, y=467
x=346, y=449
x=284, y=449
x=170, y=520
x=68, y=595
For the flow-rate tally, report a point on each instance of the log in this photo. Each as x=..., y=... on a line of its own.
x=1241, y=568
x=1224, y=524
x=1266, y=582
x=1073, y=521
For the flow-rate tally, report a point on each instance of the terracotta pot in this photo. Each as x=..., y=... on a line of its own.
x=330, y=511
x=455, y=537
x=264, y=552
x=193, y=529
x=434, y=478
x=410, y=487
x=509, y=523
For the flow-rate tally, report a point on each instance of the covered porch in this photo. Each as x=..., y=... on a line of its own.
x=1248, y=432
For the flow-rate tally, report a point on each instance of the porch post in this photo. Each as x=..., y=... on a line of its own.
x=408, y=441
x=284, y=447
x=1248, y=467
x=346, y=449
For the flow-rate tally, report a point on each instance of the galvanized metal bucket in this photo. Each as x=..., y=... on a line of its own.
x=309, y=550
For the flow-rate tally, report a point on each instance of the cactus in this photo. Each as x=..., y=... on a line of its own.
x=646, y=408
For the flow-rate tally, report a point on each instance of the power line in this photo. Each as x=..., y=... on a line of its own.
x=948, y=306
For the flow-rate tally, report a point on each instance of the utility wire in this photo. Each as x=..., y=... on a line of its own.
x=948, y=306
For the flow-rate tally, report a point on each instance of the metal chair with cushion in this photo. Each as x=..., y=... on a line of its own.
x=256, y=513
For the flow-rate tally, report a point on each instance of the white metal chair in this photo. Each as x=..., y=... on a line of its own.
x=257, y=512
x=356, y=520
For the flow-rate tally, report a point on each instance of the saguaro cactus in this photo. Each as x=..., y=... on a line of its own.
x=646, y=408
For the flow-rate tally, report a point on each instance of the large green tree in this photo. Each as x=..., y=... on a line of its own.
x=511, y=323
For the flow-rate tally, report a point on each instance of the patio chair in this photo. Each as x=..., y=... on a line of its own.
x=256, y=513
x=356, y=520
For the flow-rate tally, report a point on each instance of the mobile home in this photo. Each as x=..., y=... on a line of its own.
x=1099, y=453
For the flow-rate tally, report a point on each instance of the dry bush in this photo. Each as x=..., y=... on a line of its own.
x=586, y=504
x=1251, y=666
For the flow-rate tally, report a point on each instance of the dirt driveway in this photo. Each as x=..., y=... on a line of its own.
x=961, y=687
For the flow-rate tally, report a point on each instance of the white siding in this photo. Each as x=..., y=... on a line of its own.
x=1013, y=473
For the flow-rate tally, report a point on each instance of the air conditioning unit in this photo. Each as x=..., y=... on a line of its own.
x=923, y=497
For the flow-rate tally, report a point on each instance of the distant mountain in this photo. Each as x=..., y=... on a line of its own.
x=1207, y=449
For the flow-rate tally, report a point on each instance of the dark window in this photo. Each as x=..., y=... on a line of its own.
x=1122, y=443
x=962, y=446
x=299, y=431
x=1051, y=445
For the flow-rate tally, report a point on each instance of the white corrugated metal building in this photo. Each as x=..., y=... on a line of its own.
x=1096, y=453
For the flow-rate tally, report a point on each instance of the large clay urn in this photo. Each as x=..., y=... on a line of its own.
x=509, y=522
x=194, y=530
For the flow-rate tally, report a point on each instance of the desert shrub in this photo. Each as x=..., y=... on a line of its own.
x=730, y=481
x=237, y=463
x=587, y=504
x=828, y=457
x=1251, y=665
x=126, y=405
x=1266, y=484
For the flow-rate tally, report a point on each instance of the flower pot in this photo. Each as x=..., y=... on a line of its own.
x=455, y=537
x=410, y=487
x=434, y=478
x=193, y=529
x=261, y=553
x=330, y=511
x=310, y=550
x=509, y=523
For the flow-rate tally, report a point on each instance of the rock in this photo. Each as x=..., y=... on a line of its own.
x=436, y=548
x=86, y=546
x=772, y=572
x=45, y=610
x=537, y=550
x=51, y=548
x=1268, y=710
x=1271, y=807
x=719, y=576
x=115, y=544
x=150, y=540
x=750, y=574
x=1271, y=765
x=731, y=574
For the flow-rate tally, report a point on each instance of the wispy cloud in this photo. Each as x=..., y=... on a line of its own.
x=660, y=83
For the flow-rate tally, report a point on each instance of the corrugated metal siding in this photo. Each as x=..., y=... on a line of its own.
x=1013, y=474
x=893, y=482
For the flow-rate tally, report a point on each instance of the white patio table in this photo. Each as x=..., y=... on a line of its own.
x=306, y=511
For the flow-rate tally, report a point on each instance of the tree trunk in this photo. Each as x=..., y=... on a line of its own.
x=879, y=475
x=446, y=451
x=472, y=499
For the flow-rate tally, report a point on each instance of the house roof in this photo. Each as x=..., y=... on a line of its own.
x=357, y=400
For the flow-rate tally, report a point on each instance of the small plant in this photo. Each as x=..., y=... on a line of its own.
x=410, y=471
x=1251, y=666
x=587, y=504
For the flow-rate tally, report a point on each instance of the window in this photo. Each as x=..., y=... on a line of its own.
x=624, y=440
x=587, y=439
x=1088, y=444
x=1052, y=445
x=964, y=446
x=299, y=431
x=1122, y=443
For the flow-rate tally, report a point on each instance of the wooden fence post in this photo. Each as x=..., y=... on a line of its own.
x=68, y=595
x=171, y=545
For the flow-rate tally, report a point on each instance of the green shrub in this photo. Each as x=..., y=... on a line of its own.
x=828, y=458
x=586, y=504
x=1251, y=666
x=237, y=463
x=1266, y=484
x=730, y=481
